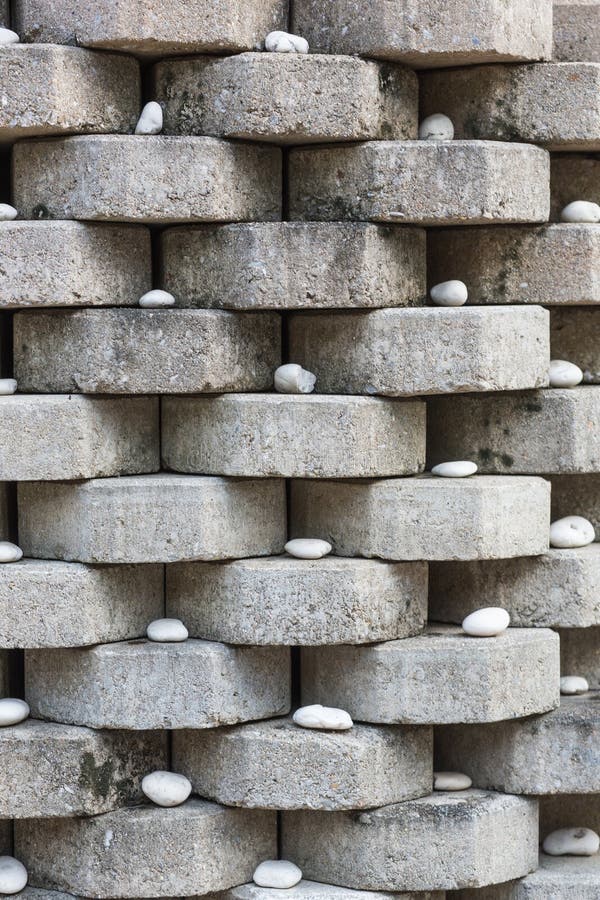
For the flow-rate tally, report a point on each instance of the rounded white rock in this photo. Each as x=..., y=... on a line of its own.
x=437, y=127
x=581, y=211
x=282, y=42
x=571, y=842
x=7, y=386
x=7, y=212
x=277, y=873
x=151, y=119
x=327, y=717
x=13, y=875
x=571, y=532
x=12, y=711
x=167, y=631
x=9, y=552
x=563, y=374
x=449, y=293
x=8, y=37
x=451, y=781
x=487, y=622
x=293, y=379
x=308, y=548
x=157, y=299
x=166, y=788
x=459, y=469
x=573, y=684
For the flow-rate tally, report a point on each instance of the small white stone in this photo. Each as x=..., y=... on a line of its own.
x=436, y=128
x=7, y=386
x=8, y=37
x=166, y=788
x=167, y=631
x=451, y=781
x=572, y=842
x=9, y=552
x=293, y=379
x=449, y=293
x=459, y=469
x=157, y=299
x=7, y=212
x=308, y=548
x=277, y=873
x=487, y=622
x=581, y=211
x=327, y=717
x=282, y=42
x=563, y=374
x=573, y=684
x=13, y=875
x=151, y=119
x=571, y=532
x=12, y=711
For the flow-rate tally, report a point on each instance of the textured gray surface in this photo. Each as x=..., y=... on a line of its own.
x=580, y=653
x=577, y=495
x=559, y=877
x=311, y=890
x=577, y=31
x=573, y=176
x=575, y=336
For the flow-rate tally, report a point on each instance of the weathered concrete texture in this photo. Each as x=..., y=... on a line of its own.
x=553, y=104
x=442, y=676
x=151, y=518
x=64, y=437
x=282, y=600
x=73, y=264
x=58, y=604
x=421, y=182
x=155, y=178
x=154, y=28
x=267, y=265
x=406, y=352
x=577, y=30
x=573, y=176
x=488, y=517
x=312, y=890
x=145, y=685
x=580, y=653
x=6, y=501
x=310, y=436
x=427, y=34
x=577, y=495
x=558, y=877
x=550, y=264
x=569, y=811
x=3, y=682
x=557, y=589
x=544, y=432
x=442, y=841
x=147, y=851
x=57, y=770
x=288, y=98
x=277, y=765
x=145, y=351
x=6, y=837
x=4, y=14
x=575, y=336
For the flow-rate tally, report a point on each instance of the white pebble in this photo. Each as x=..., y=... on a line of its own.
x=167, y=631
x=8, y=37
x=7, y=212
x=166, y=788
x=563, y=374
x=327, y=717
x=282, y=42
x=573, y=684
x=572, y=842
x=293, y=379
x=7, y=386
x=571, y=532
x=486, y=622
x=157, y=300
x=9, y=552
x=581, y=211
x=308, y=548
x=449, y=293
x=436, y=128
x=13, y=875
x=151, y=119
x=12, y=711
x=451, y=781
x=459, y=469
x=277, y=873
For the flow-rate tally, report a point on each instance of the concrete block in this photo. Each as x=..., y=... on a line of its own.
x=488, y=517
x=559, y=877
x=64, y=437
x=53, y=770
x=278, y=765
x=568, y=811
x=420, y=182
x=312, y=890
x=6, y=502
x=3, y=677
x=144, y=351
x=152, y=518
x=73, y=264
x=6, y=837
x=577, y=30
x=302, y=436
x=419, y=845
x=155, y=179
x=59, y=604
x=405, y=352
x=575, y=335
x=580, y=654
x=442, y=676
x=4, y=14
x=271, y=265
x=145, y=685
x=573, y=176
x=147, y=851
x=288, y=98
x=282, y=600
x=577, y=495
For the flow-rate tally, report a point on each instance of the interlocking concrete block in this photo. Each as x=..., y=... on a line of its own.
x=64, y=437
x=59, y=604
x=577, y=30
x=406, y=352
x=419, y=845
x=559, y=877
x=147, y=851
x=442, y=676
x=57, y=770
x=580, y=653
x=288, y=98
x=488, y=517
x=553, y=104
x=312, y=890
x=573, y=176
x=49, y=90
x=152, y=518
x=575, y=335
x=156, y=179
x=145, y=685
x=427, y=34
x=554, y=264
x=421, y=182
x=73, y=264
x=282, y=600
x=144, y=351
x=278, y=765
x=268, y=265
x=262, y=435
x=577, y=495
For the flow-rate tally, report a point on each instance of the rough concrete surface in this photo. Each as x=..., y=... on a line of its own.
x=580, y=654
x=577, y=495
x=575, y=336
x=576, y=30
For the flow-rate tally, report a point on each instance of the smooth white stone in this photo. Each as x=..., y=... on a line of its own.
x=157, y=299
x=282, y=42
x=328, y=717
x=449, y=293
x=487, y=622
x=451, y=781
x=581, y=211
x=167, y=631
x=8, y=37
x=308, y=548
x=277, y=873
x=13, y=875
x=571, y=532
x=166, y=788
x=573, y=684
x=7, y=386
x=572, y=842
x=293, y=379
x=436, y=128
x=563, y=374
x=151, y=119
x=12, y=711
x=7, y=212
x=9, y=552
x=459, y=469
